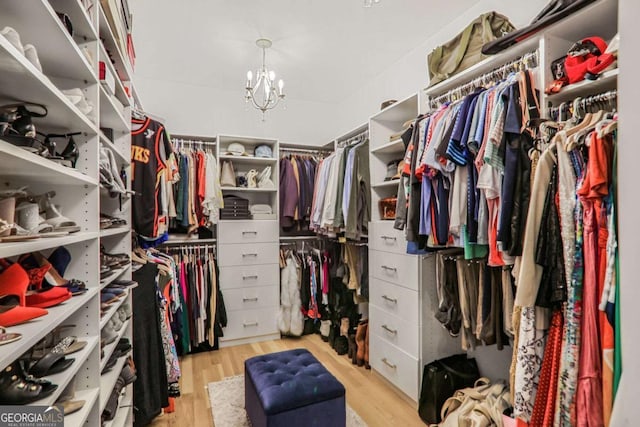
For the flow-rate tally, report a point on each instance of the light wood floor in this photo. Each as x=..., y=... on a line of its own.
x=367, y=392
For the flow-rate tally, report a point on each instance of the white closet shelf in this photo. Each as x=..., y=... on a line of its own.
x=34, y=331
x=250, y=190
x=82, y=26
x=121, y=94
x=108, y=349
x=112, y=309
x=120, y=157
x=122, y=65
x=38, y=24
x=124, y=405
x=110, y=114
x=114, y=231
x=395, y=146
x=90, y=397
x=108, y=381
x=17, y=248
x=112, y=277
x=250, y=160
x=386, y=184
x=20, y=80
x=21, y=164
x=64, y=378
x=608, y=80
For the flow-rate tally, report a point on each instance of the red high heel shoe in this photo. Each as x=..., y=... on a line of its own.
x=13, y=287
x=37, y=296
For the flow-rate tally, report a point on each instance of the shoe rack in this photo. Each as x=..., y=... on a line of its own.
x=71, y=61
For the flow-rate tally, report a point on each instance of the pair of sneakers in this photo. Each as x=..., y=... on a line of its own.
x=28, y=50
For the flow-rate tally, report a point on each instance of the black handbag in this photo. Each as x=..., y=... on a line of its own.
x=440, y=379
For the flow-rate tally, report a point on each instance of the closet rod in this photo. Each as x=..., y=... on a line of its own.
x=356, y=138
x=188, y=241
x=294, y=238
x=305, y=150
x=525, y=62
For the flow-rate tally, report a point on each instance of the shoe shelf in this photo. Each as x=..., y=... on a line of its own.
x=59, y=54
x=19, y=163
x=63, y=378
x=21, y=80
x=125, y=402
x=249, y=160
x=110, y=114
x=115, y=275
x=35, y=330
x=114, y=231
x=122, y=65
x=108, y=381
x=90, y=398
x=82, y=26
x=112, y=310
x=121, y=158
x=16, y=248
x=608, y=80
x=109, y=349
x=121, y=93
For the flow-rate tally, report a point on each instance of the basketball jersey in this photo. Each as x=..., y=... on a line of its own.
x=150, y=147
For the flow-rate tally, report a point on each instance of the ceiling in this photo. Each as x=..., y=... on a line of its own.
x=323, y=49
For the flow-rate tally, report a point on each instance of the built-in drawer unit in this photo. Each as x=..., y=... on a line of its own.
x=256, y=231
x=241, y=276
x=247, y=254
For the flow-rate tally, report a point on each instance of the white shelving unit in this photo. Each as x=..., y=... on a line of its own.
x=70, y=62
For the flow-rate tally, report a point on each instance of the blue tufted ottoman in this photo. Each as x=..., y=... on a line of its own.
x=292, y=388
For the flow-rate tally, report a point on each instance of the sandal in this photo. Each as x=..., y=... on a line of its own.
x=67, y=345
x=18, y=388
x=51, y=363
x=38, y=296
x=54, y=215
x=8, y=337
x=17, y=315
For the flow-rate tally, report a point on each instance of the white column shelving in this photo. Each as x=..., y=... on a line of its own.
x=70, y=62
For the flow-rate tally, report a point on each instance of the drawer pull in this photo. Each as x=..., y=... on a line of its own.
x=385, y=267
x=255, y=276
x=388, y=329
x=249, y=299
x=388, y=238
x=246, y=325
x=248, y=255
x=389, y=364
x=249, y=232
x=393, y=300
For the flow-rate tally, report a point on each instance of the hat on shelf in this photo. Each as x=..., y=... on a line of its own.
x=387, y=103
x=236, y=149
x=263, y=151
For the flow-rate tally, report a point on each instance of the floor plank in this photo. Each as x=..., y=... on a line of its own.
x=378, y=403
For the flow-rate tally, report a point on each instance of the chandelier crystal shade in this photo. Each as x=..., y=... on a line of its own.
x=262, y=91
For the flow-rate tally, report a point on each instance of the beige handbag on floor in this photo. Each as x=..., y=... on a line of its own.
x=478, y=406
x=227, y=174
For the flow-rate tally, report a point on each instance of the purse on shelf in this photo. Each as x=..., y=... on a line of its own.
x=264, y=178
x=227, y=174
x=440, y=380
x=465, y=49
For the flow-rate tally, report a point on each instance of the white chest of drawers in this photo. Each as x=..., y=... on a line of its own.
x=404, y=334
x=249, y=277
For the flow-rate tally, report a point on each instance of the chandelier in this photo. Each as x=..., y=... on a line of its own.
x=369, y=3
x=262, y=92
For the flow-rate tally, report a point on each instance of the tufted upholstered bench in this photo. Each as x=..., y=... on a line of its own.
x=292, y=388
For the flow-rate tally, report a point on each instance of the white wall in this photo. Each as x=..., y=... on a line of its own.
x=409, y=75
x=625, y=408
x=199, y=110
